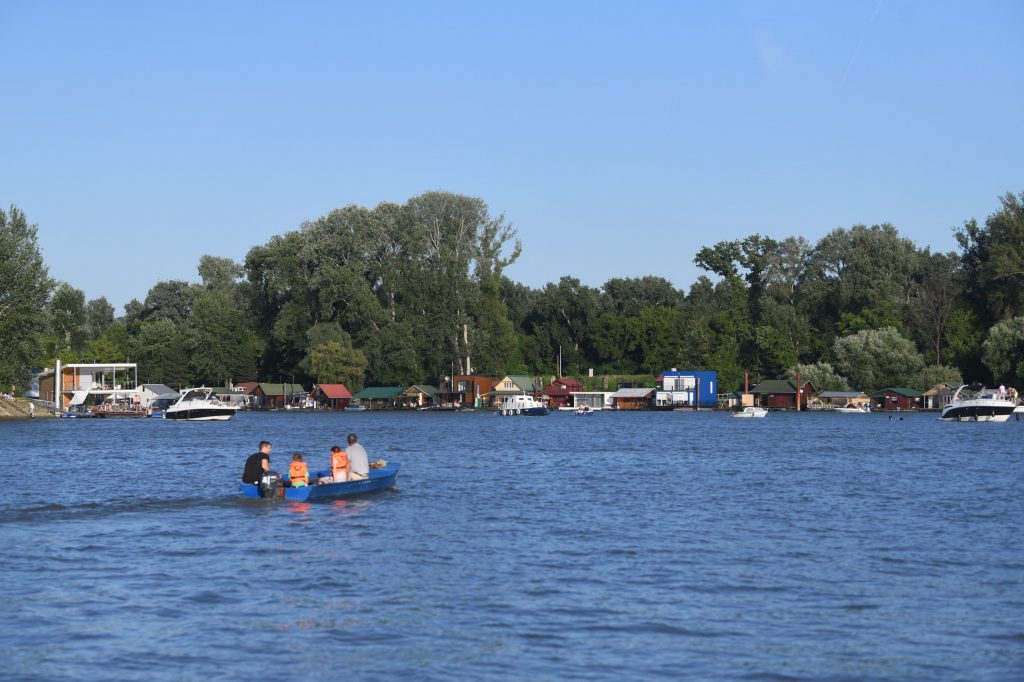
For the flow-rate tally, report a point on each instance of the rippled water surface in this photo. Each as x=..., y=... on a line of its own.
x=617, y=546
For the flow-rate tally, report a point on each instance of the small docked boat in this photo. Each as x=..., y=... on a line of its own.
x=584, y=411
x=751, y=413
x=853, y=409
x=522, y=405
x=975, y=403
x=199, y=404
x=380, y=479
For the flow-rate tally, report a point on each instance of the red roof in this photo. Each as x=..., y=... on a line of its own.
x=247, y=386
x=563, y=387
x=334, y=391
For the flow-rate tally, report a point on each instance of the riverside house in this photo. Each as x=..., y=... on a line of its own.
x=330, y=396
x=465, y=390
x=417, y=396
x=277, y=396
x=634, y=398
x=938, y=396
x=560, y=392
x=897, y=398
x=79, y=385
x=380, y=397
x=513, y=384
x=781, y=394
x=829, y=400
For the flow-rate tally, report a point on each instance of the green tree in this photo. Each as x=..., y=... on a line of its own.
x=25, y=286
x=333, y=363
x=877, y=358
x=220, y=343
x=171, y=300
x=1003, y=351
x=993, y=261
x=936, y=374
x=821, y=375
x=68, y=317
x=99, y=315
x=161, y=354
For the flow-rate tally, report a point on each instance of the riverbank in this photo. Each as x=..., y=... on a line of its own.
x=18, y=409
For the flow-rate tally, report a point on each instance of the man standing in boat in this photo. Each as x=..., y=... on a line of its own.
x=358, y=460
x=256, y=464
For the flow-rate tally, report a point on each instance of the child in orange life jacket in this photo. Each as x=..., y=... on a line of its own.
x=298, y=473
x=339, y=465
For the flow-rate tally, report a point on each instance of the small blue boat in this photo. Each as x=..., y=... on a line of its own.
x=380, y=479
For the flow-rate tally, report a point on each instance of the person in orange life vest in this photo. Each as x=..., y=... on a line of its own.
x=339, y=465
x=298, y=473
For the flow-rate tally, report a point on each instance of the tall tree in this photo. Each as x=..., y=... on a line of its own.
x=877, y=358
x=1003, y=351
x=68, y=317
x=25, y=286
x=993, y=261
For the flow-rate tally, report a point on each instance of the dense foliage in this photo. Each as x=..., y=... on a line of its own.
x=411, y=293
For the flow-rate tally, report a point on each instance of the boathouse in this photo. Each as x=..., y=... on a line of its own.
x=512, y=384
x=833, y=399
x=781, y=394
x=277, y=396
x=417, y=396
x=330, y=396
x=559, y=392
x=76, y=385
x=157, y=396
x=897, y=399
x=595, y=400
x=687, y=388
x=465, y=390
x=938, y=396
x=379, y=397
x=634, y=398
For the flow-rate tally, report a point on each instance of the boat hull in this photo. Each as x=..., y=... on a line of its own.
x=968, y=412
x=206, y=414
x=751, y=413
x=380, y=479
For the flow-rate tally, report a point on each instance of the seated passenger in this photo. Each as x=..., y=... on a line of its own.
x=298, y=473
x=358, y=460
x=339, y=465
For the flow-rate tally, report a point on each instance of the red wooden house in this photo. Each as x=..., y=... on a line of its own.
x=331, y=396
x=897, y=399
x=780, y=394
x=559, y=392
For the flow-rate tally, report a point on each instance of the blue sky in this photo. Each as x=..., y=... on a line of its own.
x=618, y=137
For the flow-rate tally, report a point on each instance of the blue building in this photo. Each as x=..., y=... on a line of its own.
x=688, y=388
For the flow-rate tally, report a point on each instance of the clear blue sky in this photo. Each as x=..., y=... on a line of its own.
x=618, y=137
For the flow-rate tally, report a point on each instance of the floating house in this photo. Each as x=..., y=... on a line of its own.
x=380, y=397
x=417, y=396
x=595, y=400
x=897, y=398
x=687, y=388
x=781, y=394
x=157, y=396
x=832, y=399
x=277, y=396
x=938, y=396
x=633, y=398
x=559, y=392
x=513, y=384
x=465, y=390
x=79, y=385
x=330, y=396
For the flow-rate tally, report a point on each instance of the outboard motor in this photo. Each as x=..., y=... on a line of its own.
x=270, y=484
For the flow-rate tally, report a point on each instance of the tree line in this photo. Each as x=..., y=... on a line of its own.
x=411, y=293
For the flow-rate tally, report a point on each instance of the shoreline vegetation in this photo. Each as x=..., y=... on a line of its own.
x=18, y=409
x=412, y=293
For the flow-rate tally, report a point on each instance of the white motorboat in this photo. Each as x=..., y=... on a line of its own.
x=853, y=409
x=751, y=413
x=976, y=403
x=523, y=405
x=199, y=404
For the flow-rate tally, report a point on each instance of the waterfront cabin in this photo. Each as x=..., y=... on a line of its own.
x=157, y=396
x=79, y=385
x=781, y=394
x=417, y=396
x=277, y=396
x=595, y=400
x=832, y=399
x=512, y=384
x=938, y=396
x=380, y=397
x=687, y=388
x=634, y=398
x=559, y=392
x=330, y=396
x=897, y=399
x=465, y=390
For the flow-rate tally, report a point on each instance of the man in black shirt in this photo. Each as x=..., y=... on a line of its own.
x=256, y=464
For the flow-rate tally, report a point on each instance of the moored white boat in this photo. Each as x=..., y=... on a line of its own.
x=522, y=405
x=853, y=409
x=199, y=404
x=976, y=403
x=751, y=413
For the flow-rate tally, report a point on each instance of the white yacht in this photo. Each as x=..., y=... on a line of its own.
x=523, y=405
x=853, y=409
x=199, y=404
x=977, y=404
x=751, y=413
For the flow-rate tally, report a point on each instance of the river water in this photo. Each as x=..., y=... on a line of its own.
x=617, y=546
